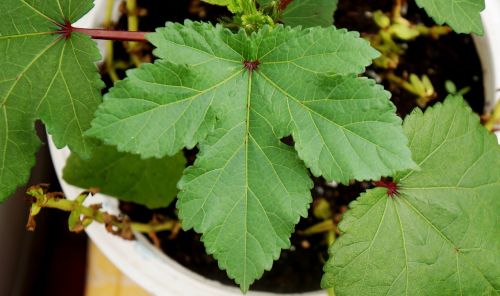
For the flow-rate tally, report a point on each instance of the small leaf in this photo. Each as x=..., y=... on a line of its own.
x=237, y=95
x=233, y=5
x=309, y=13
x=450, y=87
x=440, y=232
x=150, y=182
x=381, y=19
x=404, y=31
x=462, y=15
x=44, y=76
x=305, y=13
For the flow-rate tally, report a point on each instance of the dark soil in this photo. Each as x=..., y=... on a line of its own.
x=299, y=269
x=452, y=57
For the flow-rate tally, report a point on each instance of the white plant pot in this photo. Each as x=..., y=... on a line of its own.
x=161, y=275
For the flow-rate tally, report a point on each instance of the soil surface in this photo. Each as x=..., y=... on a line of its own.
x=299, y=269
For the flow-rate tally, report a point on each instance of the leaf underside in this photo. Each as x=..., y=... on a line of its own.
x=247, y=190
x=44, y=76
x=150, y=182
x=441, y=233
x=463, y=16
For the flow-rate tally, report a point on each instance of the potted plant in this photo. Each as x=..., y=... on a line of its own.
x=259, y=104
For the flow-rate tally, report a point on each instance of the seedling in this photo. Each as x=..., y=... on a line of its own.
x=421, y=87
x=452, y=89
x=395, y=31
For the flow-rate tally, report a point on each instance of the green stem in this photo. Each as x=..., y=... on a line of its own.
x=494, y=119
x=82, y=216
x=110, y=56
x=133, y=26
x=110, y=61
x=321, y=227
x=396, y=11
x=402, y=83
x=249, y=7
x=108, y=16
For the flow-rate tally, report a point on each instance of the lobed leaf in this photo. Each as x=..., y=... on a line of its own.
x=150, y=182
x=462, y=15
x=44, y=76
x=441, y=232
x=247, y=190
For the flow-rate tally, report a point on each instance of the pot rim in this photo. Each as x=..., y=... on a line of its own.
x=159, y=274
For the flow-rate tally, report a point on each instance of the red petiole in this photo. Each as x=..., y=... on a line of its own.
x=67, y=29
x=113, y=35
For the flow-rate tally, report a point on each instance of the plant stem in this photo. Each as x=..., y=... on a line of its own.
x=402, y=83
x=81, y=216
x=110, y=56
x=132, y=19
x=249, y=7
x=110, y=61
x=113, y=34
x=494, y=118
x=133, y=26
x=108, y=16
x=321, y=227
x=396, y=11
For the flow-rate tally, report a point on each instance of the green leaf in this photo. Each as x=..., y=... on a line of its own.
x=233, y=5
x=309, y=13
x=440, y=235
x=151, y=182
x=247, y=190
x=44, y=76
x=463, y=16
x=305, y=13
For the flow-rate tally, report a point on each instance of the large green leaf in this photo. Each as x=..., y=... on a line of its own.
x=247, y=190
x=441, y=234
x=462, y=15
x=44, y=76
x=151, y=182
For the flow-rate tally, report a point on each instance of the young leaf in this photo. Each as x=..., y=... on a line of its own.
x=440, y=230
x=44, y=76
x=150, y=182
x=233, y=5
x=309, y=13
x=237, y=95
x=463, y=16
x=305, y=13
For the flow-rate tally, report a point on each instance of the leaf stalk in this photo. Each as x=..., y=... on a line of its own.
x=115, y=35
